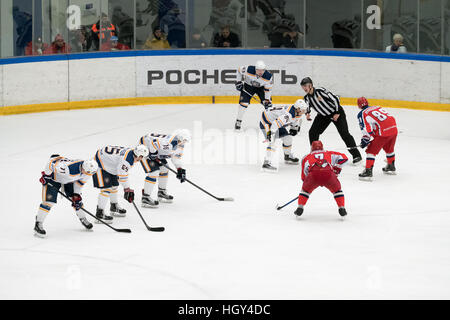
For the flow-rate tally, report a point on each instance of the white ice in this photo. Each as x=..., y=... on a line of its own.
x=394, y=244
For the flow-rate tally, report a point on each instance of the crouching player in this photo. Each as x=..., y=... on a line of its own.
x=114, y=165
x=281, y=123
x=162, y=147
x=321, y=168
x=71, y=176
x=376, y=124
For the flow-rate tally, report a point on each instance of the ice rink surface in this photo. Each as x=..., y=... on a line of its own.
x=394, y=244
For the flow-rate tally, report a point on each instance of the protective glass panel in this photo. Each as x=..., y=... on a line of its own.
x=430, y=26
x=50, y=28
x=118, y=25
x=82, y=15
x=160, y=24
x=275, y=24
x=385, y=19
x=446, y=28
x=333, y=24
x=17, y=26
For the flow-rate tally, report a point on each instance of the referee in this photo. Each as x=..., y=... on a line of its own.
x=328, y=110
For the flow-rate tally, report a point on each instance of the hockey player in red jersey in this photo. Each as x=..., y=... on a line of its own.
x=379, y=130
x=321, y=168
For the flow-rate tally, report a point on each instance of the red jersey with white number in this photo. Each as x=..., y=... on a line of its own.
x=377, y=122
x=323, y=160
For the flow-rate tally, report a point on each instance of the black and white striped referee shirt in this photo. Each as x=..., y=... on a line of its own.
x=323, y=102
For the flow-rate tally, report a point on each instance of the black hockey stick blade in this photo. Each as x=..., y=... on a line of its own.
x=154, y=229
x=226, y=199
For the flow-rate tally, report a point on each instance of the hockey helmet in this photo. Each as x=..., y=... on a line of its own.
x=301, y=104
x=316, y=145
x=362, y=102
x=260, y=65
x=141, y=150
x=306, y=81
x=90, y=166
x=182, y=135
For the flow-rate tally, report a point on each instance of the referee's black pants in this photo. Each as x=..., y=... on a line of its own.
x=321, y=122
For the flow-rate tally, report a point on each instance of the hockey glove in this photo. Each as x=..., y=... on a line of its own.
x=76, y=201
x=129, y=195
x=293, y=132
x=267, y=104
x=181, y=175
x=153, y=156
x=239, y=86
x=364, y=142
x=44, y=178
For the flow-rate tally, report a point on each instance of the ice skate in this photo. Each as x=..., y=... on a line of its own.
x=86, y=223
x=268, y=167
x=105, y=218
x=342, y=212
x=298, y=212
x=356, y=161
x=39, y=230
x=237, y=126
x=390, y=169
x=117, y=211
x=148, y=202
x=290, y=159
x=163, y=196
x=366, y=175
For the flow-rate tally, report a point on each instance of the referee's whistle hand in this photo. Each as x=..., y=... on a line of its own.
x=308, y=117
x=335, y=117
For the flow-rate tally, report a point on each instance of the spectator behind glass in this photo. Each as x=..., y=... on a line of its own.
x=176, y=35
x=58, y=46
x=103, y=30
x=158, y=42
x=114, y=45
x=80, y=39
x=24, y=25
x=197, y=40
x=285, y=34
x=37, y=48
x=226, y=38
x=397, y=45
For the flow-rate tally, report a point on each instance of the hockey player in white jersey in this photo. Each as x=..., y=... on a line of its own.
x=253, y=80
x=71, y=175
x=114, y=165
x=281, y=123
x=162, y=147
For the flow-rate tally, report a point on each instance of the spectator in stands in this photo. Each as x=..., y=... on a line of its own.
x=226, y=38
x=114, y=45
x=197, y=40
x=158, y=42
x=397, y=46
x=36, y=48
x=103, y=30
x=285, y=34
x=176, y=30
x=80, y=40
x=58, y=46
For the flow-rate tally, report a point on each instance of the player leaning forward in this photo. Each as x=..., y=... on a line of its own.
x=114, y=165
x=281, y=123
x=71, y=176
x=162, y=147
x=253, y=80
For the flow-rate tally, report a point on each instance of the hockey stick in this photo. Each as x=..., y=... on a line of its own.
x=252, y=97
x=115, y=229
x=279, y=208
x=155, y=229
x=217, y=198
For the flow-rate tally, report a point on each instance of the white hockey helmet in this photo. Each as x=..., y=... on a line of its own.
x=301, y=104
x=141, y=150
x=182, y=135
x=90, y=166
x=260, y=65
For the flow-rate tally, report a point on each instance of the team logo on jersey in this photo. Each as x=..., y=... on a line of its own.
x=255, y=84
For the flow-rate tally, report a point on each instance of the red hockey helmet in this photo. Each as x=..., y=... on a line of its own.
x=362, y=102
x=316, y=145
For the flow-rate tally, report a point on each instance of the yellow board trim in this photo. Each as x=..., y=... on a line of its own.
x=73, y=105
